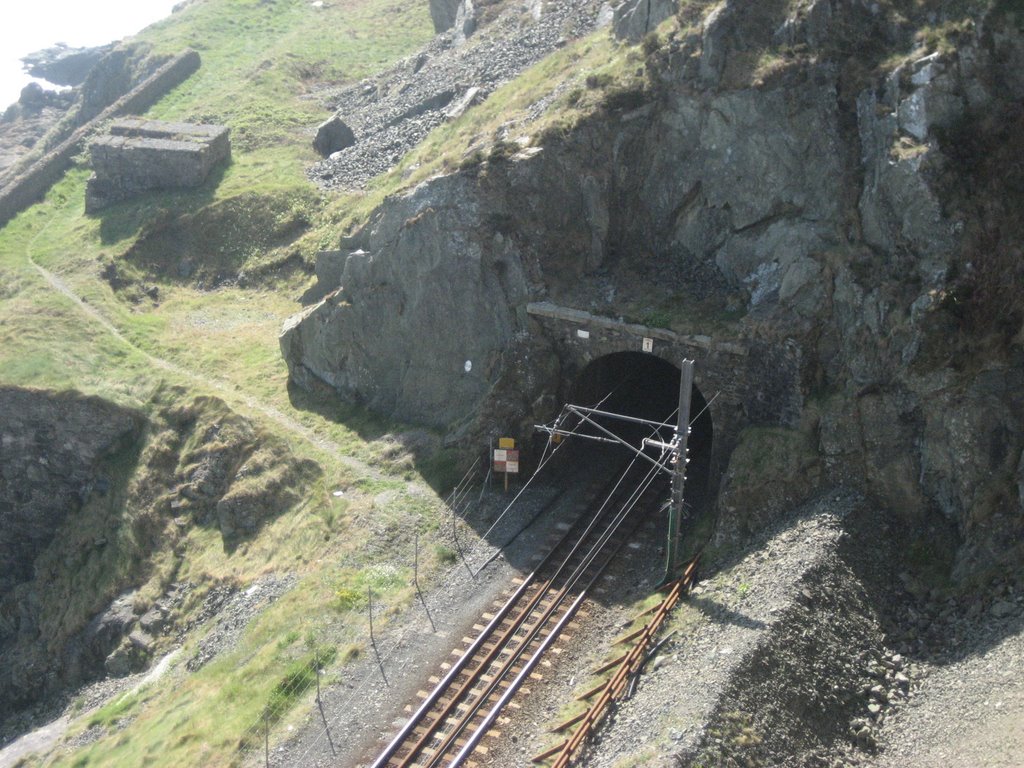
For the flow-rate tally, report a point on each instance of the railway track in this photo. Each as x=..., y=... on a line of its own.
x=447, y=727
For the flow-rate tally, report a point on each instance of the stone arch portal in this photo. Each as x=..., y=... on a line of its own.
x=645, y=386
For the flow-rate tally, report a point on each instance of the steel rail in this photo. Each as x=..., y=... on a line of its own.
x=456, y=669
x=531, y=664
x=629, y=666
x=502, y=644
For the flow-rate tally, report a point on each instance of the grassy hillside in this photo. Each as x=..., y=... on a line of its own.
x=175, y=301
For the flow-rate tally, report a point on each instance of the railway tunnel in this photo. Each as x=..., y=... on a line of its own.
x=645, y=386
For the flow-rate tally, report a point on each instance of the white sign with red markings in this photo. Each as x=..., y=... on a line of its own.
x=506, y=460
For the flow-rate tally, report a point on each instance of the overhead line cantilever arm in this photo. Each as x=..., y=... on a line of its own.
x=580, y=410
x=567, y=433
x=637, y=451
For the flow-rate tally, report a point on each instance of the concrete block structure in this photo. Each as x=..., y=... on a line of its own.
x=140, y=155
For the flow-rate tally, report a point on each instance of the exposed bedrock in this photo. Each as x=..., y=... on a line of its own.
x=51, y=450
x=822, y=218
x=63, y=65
x=428, y=264
x=91, y=494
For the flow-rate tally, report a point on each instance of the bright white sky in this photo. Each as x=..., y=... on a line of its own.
x=29, y=25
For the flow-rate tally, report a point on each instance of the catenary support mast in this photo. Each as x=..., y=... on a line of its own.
x=680, y=459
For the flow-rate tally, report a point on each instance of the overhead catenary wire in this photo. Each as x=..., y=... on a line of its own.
x=578, y=573
x=526, y=485
x=706, y=406
x=456, y=668
x=388, y=653
x=627, y=507
x=385, y=655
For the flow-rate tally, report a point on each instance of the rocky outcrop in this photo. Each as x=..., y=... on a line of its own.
x=442, y=13
x=634, y=19
x=90, y=494
x=451, y=279
x=141, y=155
x=52, y=451
x=453, y=14
x=841, y=212
x=333, y=135
x=48, y=118
x=62, y=64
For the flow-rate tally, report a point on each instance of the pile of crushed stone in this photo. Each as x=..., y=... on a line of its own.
x=393, y=112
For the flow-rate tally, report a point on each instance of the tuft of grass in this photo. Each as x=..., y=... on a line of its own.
x=445, y=555
x=298, y=678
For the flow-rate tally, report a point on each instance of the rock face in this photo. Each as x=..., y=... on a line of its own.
x=89, y=493
x=64, y=65
x=443, y=13
x=141, y=155
x=633, y=19
x=431, y=309
x=51, y=451
x=854, y=222
x=457, y=15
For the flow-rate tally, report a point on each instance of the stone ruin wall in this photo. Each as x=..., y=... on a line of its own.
x=29, y=187
x=140, y=155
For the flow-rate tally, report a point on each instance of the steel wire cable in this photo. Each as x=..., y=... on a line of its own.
x=575, y=577
x=534, y=475
x=581, y=568
x=366, y=680
x=628, y=505
x=454, y=704
x=389, y=653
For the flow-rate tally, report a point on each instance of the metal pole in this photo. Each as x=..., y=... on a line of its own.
x=675, y=510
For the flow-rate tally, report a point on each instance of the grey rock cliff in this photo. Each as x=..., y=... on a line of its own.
x=442, y=13
x=633, y=19
x=64, y=65
x=51, y=450
x=429, y=287
x=832, y=211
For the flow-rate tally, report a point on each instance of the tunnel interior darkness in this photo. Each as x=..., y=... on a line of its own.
x=645, y=386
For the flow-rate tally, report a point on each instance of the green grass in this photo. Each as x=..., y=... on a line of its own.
x=227, y=263
x=260, y=59
x=261, y=218
x=207, y=716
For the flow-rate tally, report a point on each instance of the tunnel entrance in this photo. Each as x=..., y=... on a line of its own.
x=645, y=386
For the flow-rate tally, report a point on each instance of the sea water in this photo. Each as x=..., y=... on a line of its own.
x=27, y=26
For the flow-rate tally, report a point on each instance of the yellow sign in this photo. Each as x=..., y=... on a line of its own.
x=506, y=442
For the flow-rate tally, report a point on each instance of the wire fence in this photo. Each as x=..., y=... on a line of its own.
x=299, y=678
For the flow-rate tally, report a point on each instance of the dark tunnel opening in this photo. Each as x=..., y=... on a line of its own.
x=645, y=386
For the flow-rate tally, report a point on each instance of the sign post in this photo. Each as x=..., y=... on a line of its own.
x=506, y=458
